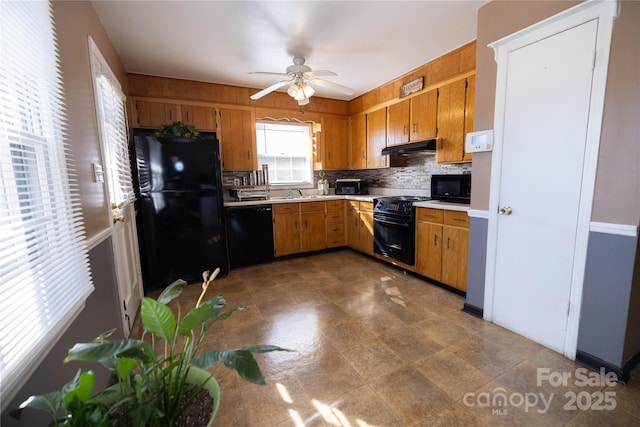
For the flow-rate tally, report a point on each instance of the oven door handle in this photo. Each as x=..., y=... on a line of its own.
x=391, y=222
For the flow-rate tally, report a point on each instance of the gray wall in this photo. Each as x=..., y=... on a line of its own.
x=478, y=228
x=606, y=294
x=101, y=313
x=616, y=195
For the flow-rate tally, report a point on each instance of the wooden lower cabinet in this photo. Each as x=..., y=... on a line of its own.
x=442, y=246
x=308, y=226
x=314, y=226
x=335, y=224
x=360, y=226
x=429, y=249
x=353, y=224
x=455, y=248
x=286, y=229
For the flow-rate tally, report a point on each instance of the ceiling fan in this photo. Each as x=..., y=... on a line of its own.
x=300, y=78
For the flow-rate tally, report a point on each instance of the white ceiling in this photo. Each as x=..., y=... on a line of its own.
x=367, y=43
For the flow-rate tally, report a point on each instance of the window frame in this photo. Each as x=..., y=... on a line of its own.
x=309, y=155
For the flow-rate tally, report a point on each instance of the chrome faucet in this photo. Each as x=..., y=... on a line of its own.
x=289, y=195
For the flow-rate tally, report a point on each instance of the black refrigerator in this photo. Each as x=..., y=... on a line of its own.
x=179, y=207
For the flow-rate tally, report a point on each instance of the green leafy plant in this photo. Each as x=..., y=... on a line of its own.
x=177, y=130
x=151, y=386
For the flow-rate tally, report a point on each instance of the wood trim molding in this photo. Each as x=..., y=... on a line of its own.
x=617, y=229
x=476, y=213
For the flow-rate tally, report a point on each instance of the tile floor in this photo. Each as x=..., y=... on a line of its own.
x=376, y=347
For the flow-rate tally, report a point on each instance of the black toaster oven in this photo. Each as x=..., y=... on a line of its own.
x=351, y=186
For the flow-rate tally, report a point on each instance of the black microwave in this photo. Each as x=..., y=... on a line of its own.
x=351, y=186
x=451, y=188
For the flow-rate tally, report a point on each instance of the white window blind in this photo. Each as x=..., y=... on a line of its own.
x=110, y=107
x=44, y=270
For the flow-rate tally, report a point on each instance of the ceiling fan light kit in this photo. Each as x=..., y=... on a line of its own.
x=300, y=78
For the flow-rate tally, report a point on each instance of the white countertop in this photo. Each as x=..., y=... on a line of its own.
x=435, y=204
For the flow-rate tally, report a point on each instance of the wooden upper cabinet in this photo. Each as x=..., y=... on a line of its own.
x=377, y=138
x=398, y=130
x=424, y=111
x=151, y=114
x=358, y=142
x=236, y=133
x=335, y=142
x=451, y=120
x=469, y=111
x=203, y=118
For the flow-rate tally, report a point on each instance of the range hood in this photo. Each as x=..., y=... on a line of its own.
x=413, y=147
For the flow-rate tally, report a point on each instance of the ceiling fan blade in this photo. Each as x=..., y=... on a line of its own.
x=270, y=89
x=333, y=86
x=267, y=73
x=320, y=73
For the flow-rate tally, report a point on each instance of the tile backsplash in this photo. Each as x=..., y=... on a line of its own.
x=416, y=175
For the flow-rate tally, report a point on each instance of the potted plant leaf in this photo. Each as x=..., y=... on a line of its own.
x=177, y=129
x=156, y=377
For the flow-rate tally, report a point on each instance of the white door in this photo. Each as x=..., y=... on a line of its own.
x=125, y=249
x=546, y=115
x=112, y=128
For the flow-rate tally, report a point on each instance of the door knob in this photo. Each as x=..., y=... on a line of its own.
x=506, y=210
x=119, y=218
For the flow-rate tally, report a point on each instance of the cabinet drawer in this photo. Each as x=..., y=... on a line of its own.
x=335, y=229
x=312, y=207
x=335, y=241
x=460, y=219
x=335, y=205
x=428, y=214
x=285, y=208
x=335, y=217
x=366, y=206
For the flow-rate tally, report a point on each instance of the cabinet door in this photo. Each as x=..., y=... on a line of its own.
x=429, y=249
x=335, y=138
x=358, y=142
x=237, y=138
x=454, y=257
x=366, y=232
x=155, y=114
x=398, y=130
x=451, y=103
x=353, y=226
x=314, y=231
x=469, y=111
x=286, y=231
x=203, y=118
x=377, y=139
x=424, y=111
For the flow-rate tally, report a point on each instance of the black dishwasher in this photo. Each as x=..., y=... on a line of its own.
x=250, y=235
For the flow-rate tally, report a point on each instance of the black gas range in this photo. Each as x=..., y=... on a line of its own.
x=394, y=221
